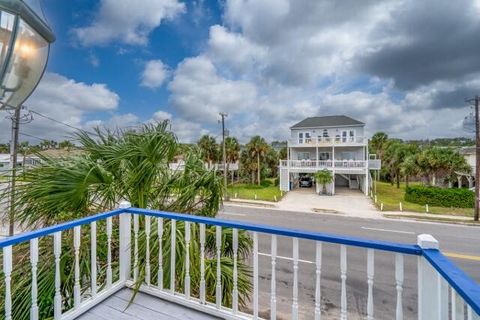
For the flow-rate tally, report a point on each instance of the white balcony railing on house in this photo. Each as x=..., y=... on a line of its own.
x=444, y=291
x=328, y=141
x=323, y=164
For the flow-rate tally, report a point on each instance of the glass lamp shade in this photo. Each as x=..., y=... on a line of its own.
x=24, y=48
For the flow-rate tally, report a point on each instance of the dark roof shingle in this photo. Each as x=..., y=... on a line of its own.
x=327, y=121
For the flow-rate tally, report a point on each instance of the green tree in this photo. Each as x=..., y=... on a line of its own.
x=209, y=149
x=257, y=148
x=324, y=177
x=123, y=165
x=232, y=152
x=66, y=144
x=378, y=144
x=410, y=168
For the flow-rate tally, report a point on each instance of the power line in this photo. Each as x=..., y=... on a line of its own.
x=62, y=123
x=32, y=136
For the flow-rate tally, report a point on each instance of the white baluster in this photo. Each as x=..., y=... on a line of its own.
x=147, y=249
x=57, y=250
x=273, y=284
x=173, y=240
x=218, y=291
x=76, y=253
x=202, y=263
x=370, y=273
x=235, y=271
x=7, y=270
x=136, y=226
x=318, y=275
x=187, y=259
x=93, y=252
x=160, y=253
x=453, y=304
x=109, y=252
x=469, y=313
x=295, y=280
x=343, y=276
x=34, y=262
x=255, y=275
x=399, y=285
x=458, y=311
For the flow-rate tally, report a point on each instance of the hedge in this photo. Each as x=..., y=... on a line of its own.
x=439, y=197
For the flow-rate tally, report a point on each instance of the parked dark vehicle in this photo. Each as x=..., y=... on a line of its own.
x=306, y=182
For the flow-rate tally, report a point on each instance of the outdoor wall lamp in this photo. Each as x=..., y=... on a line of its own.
x=25, y=40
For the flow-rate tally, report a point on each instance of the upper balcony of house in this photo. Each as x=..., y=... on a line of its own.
x=327, y=131
x=190, y=267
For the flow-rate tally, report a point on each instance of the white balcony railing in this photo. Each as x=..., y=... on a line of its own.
x=444, y=291
x=328, y=141
x=323, y=164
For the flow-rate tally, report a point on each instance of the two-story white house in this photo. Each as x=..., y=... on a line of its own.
x=336, y=143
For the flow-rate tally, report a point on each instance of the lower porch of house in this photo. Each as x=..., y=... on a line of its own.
x=290, y=180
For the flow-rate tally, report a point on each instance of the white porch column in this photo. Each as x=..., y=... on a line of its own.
x=432, y=300
x=333, y=185
x=459, y=181
x=366, y=182
x=470, y=181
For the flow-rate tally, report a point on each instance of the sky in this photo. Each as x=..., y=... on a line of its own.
x=401, y=66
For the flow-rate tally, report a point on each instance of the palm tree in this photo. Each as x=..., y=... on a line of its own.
x=257, y=148
x=209, y=149
x=378, y=143
x=232, y=151
x=409, y=167
x=324, y=177
x=123, y=165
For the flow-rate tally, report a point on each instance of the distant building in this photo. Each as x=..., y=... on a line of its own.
x=468, y=179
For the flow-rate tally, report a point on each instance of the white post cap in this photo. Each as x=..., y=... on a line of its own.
x=125, y=204
x=427, y=241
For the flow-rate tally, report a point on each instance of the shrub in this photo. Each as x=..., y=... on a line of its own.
x=434, y=196
x=266, y=183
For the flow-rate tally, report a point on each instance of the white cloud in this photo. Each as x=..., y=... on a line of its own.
x=199, y=93
x=127, y=21
x=154, y=74
x=65, y=100
x=161, y=115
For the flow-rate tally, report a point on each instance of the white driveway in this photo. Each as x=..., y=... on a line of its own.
x=344, y=202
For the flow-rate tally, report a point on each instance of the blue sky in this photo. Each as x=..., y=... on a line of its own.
x=400, y=66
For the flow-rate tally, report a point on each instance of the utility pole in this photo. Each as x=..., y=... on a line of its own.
x=224, y=115
x=13, y=163
x=477, y=159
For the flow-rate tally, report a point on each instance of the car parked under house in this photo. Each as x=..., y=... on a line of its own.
x=336, y=143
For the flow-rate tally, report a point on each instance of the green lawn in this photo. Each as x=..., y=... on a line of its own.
x=248, y=191
x=391, y=197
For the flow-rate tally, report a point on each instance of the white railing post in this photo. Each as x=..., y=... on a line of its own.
x=318, y=276
x=187, y=259
x=34, y=262
x=109, y=252
x=147, y=250
x=343, y=277
x=235, y=271
x=273, y=287
x=160, y=252
x=7, y=270
x=76, y=250
x=218, y=245
x=202, y=263
x=428, y=304
x=295, y=280
x=57, y=300
x=125, y=254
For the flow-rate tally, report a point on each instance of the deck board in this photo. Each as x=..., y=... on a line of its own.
x=144, y=307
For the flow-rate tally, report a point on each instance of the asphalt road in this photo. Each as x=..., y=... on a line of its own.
x=455, y=240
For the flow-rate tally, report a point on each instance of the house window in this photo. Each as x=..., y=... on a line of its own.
x=325, y=133
x=308, y=138
x=324, y=156
x=303, y=156
x=344, y=136
x=347, y=156
x=300, y=137
x=352, y=135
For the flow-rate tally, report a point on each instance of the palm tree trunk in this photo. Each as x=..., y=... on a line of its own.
x=406, y=180
x=258, y=169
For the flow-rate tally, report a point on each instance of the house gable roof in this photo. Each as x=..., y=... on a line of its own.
x=327, y=121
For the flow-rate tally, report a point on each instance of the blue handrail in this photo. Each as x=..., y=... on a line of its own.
x=309, y=235
x=465, y=286
x=26, y=236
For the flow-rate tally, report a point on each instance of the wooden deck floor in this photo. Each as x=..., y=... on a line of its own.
x=144, y=307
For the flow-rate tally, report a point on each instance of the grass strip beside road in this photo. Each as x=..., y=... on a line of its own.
x=391, y=196
x=248, y=191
